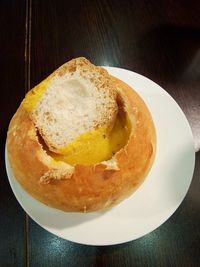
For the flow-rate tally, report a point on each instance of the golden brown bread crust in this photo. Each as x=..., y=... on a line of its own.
x=83, y=187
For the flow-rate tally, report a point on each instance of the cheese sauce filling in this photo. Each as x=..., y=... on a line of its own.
x=91, y=147
x=97, y=145
x=34, y=96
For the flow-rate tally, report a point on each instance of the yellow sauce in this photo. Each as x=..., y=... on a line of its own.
x=95, y=146
x=34, y=96
x=91, y=147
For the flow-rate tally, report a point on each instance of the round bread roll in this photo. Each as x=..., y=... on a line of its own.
x=69, y=185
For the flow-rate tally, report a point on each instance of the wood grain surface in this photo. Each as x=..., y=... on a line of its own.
x=158, y=40
x=12, y=217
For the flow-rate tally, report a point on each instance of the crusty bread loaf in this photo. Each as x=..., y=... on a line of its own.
x=79, y=97
x=82, y=187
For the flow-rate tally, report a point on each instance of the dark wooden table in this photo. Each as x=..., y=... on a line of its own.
x=159, y=39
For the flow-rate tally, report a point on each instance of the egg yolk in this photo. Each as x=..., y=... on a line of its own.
x=96, y=145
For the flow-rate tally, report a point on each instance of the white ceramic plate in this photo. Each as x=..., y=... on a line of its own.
x=155, y=200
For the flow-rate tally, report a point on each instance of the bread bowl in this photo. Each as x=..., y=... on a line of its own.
x=99, y=166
